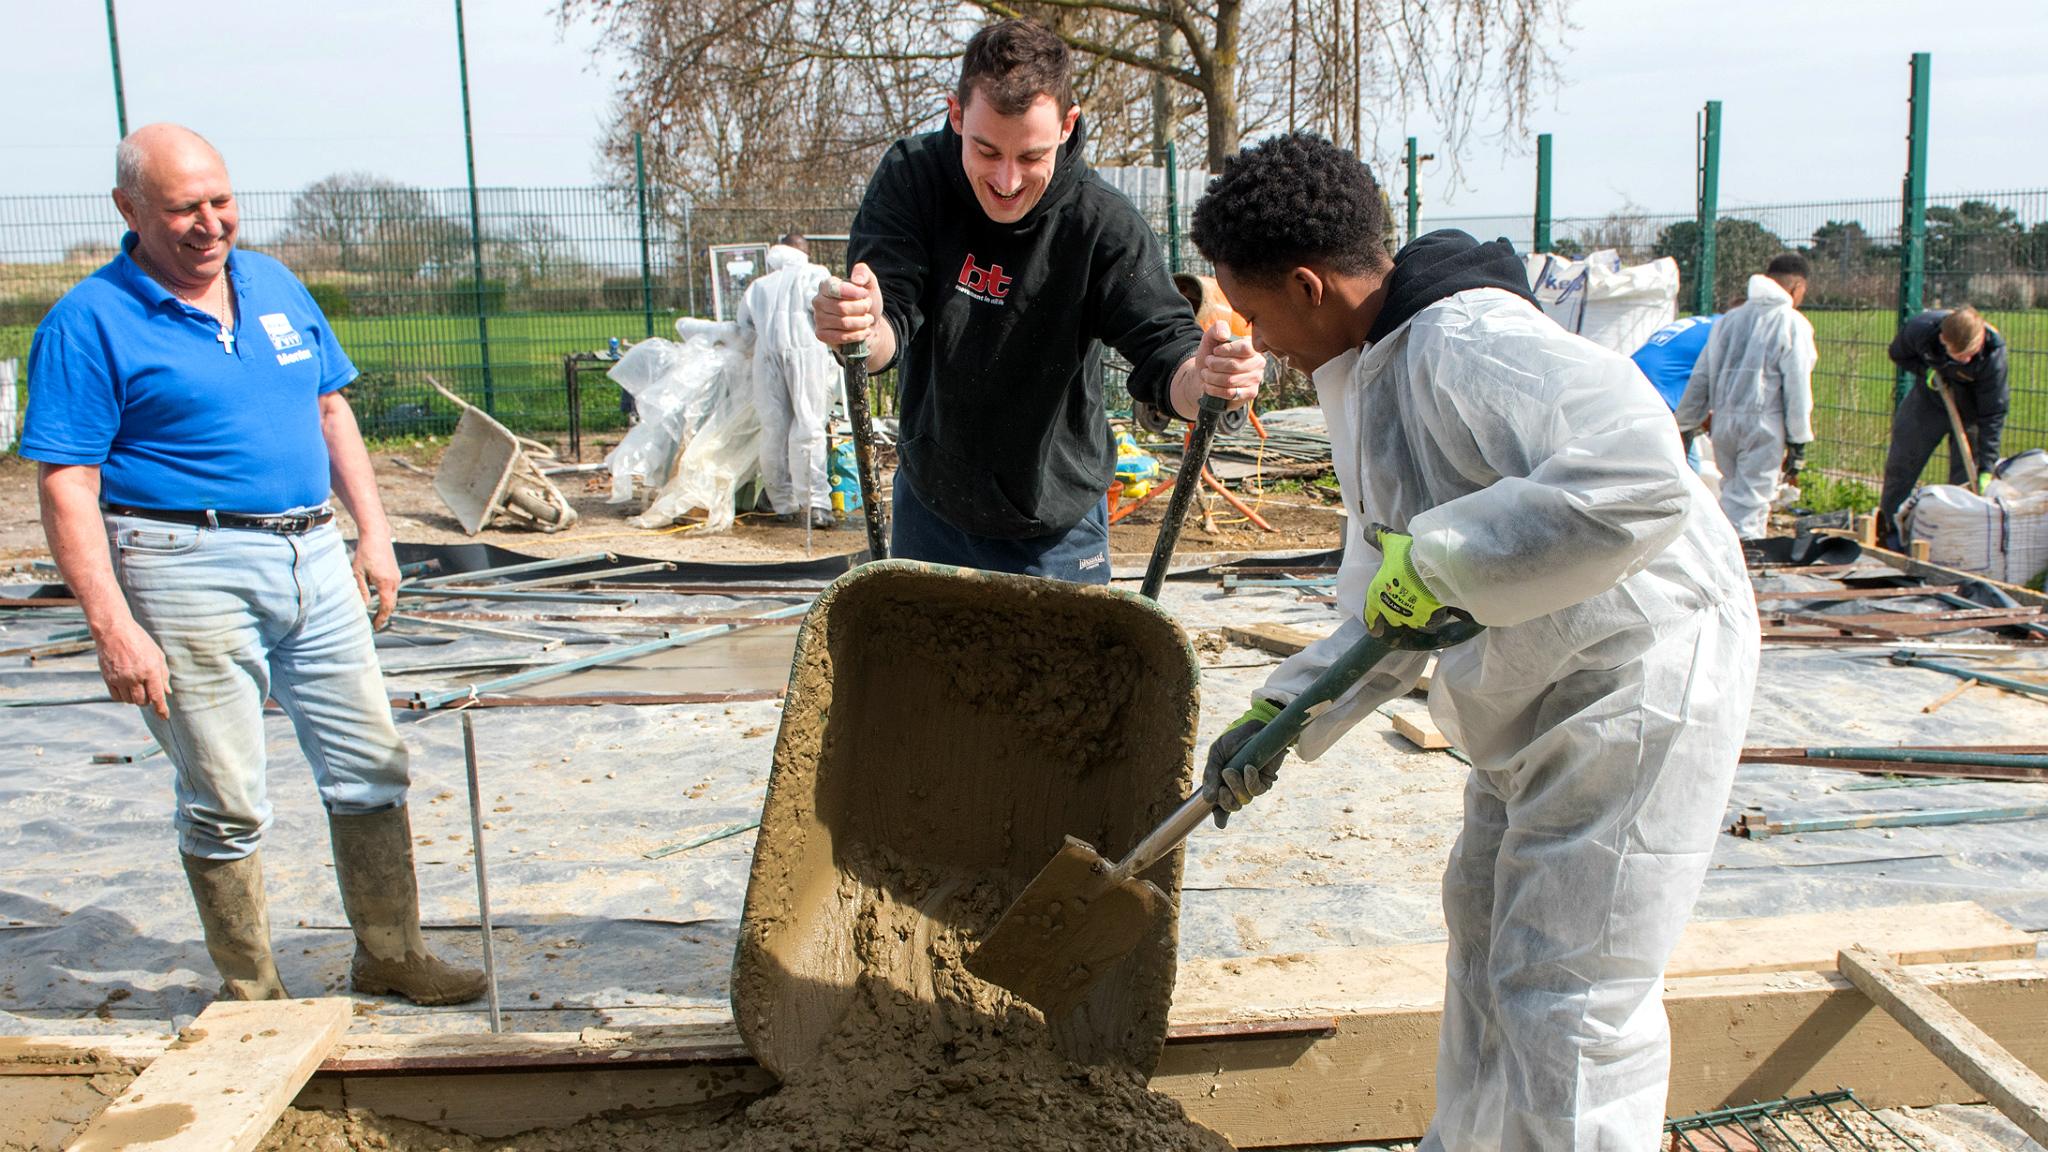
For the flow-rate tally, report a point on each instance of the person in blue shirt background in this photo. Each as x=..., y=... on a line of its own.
x=185, y=404
x=1667, y=358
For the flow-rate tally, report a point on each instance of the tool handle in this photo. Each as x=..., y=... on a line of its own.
x=858, y=349
x=1184, y=485
x=1280, y=733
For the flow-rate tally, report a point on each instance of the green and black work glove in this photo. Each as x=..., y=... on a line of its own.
x=1232, y=788
x=1795, y=462
x=1397, y=597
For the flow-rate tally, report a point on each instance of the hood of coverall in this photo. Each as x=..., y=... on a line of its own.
x=1768, y=293
x=1444, y=263
x=782, y=256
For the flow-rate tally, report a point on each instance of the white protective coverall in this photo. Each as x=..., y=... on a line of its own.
x=1603, y=709
x=1756, y=379
x=795, y=377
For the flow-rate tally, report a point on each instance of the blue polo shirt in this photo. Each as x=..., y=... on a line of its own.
x=1671, y=351
x=124, y=375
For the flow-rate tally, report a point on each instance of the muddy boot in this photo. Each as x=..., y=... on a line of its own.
x=229, y=894
x=373, y=860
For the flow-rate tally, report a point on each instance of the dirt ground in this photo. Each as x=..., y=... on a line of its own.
x=405, y=478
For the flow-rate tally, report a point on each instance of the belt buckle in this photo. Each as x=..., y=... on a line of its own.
x=297, y=525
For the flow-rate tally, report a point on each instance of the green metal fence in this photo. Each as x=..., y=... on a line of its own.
x=568, y=269
x=564, y=270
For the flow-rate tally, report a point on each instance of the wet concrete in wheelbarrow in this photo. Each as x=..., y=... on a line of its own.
x=942, y=734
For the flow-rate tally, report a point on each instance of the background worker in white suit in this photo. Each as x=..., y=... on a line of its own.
x=795, y=377
x=1755, y=380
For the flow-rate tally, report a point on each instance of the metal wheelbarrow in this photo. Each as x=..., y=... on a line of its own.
x=944, y=732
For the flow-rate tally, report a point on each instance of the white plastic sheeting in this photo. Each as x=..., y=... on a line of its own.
x=2002, y=534
x=1613, y=306
x=697, y=442
x=10, y=425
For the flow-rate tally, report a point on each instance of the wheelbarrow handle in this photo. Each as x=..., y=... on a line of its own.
x=1280, y=733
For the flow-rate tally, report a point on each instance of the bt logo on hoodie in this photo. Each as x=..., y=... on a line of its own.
x=987, y=285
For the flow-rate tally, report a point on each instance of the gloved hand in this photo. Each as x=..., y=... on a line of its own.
x=1233, y=789
x=1795, y=462
x=1397, y=597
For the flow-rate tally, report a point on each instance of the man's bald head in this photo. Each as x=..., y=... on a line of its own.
x=153, y=144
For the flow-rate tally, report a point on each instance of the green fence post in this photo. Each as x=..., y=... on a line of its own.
x=476, y=228
x=1709, y=206
x=114, y=49
x=1543, y=192
x=1414, y=191
x=690, y=252
x=1913, y=212
x=1172, y=210
x=646, y=258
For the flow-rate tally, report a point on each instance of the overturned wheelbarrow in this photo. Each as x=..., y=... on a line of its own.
x=944, y=732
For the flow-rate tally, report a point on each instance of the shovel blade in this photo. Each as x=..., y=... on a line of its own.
x=1068, y=927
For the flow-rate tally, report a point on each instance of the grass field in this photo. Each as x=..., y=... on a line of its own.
x=1852, y=385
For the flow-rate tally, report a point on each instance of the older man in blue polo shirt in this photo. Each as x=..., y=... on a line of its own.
x=185, y=403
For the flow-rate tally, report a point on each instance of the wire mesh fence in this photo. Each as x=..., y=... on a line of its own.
x=414, y=290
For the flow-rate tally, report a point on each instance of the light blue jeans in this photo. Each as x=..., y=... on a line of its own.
x=245, y=616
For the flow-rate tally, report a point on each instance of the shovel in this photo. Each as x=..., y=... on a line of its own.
x=854, y=357
x=1082, y=913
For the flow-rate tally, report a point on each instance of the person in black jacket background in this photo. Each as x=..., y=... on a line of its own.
x=1958, y=351
x=998, y=264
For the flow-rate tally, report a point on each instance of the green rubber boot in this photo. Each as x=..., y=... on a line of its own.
x=373, y=861
x=229, y=894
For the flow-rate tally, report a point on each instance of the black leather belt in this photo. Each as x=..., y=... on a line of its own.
x=285, y=525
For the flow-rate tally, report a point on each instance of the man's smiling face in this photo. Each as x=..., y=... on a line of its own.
x=1010, y=159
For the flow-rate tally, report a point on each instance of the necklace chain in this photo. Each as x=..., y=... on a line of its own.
x=226, y=315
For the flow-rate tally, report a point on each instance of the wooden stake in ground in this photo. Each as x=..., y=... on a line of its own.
x=1949, y=695
x=1982, y=1062
x=221, y=1090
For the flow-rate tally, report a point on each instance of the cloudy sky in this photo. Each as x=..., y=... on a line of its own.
x=1814, y=95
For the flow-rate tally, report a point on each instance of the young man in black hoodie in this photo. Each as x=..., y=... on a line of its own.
x=1534, y=481
x=989, y=265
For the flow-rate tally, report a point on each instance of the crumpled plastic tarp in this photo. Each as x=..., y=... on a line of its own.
x=697, y=443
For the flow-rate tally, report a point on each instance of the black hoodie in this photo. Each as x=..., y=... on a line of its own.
x=998, y=329
x=1443, y=263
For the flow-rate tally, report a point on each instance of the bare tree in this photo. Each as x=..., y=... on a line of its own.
x=768, y=93
x=356, y=221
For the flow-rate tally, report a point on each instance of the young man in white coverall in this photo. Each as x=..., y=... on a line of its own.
x=1755, y=379
x=1495, y=464
x=795, y=377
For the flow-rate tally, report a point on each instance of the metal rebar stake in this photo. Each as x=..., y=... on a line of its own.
x=483, y=884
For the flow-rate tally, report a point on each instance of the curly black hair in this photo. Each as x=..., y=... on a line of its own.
x=1292, y=200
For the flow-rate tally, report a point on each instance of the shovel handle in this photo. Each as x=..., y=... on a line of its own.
x=1279, y=734
x=1193, y=461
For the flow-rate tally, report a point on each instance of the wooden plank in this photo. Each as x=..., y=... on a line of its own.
x=1930, y=571
x=1982, y=1062
x=224, y=1083
x=1279, y=639
x=1856, y=593
x=1420, y=731
x=1292, y=984
x=1736, y=1039
x=1341, y=1046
